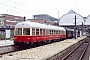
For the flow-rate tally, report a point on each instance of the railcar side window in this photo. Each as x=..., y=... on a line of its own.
x=41, y=31
x=37, y=31
x=62, y=32
x=59, y=31
x=47, y=32
x=18, y=31
x=26, y=31
x=56, y=31
x=33, y=31
x=50, y=32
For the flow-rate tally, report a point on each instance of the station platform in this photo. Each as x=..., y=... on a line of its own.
x=42, y=52
x=6, y=42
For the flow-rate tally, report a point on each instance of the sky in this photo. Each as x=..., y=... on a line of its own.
x=54, y=8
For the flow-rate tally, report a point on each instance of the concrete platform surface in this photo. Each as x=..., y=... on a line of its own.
x=6, y=42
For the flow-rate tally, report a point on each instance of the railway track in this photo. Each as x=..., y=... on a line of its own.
x=87, y=53
x=77, y=53
x=11, y=48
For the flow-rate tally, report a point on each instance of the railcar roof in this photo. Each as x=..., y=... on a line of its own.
x=28, y=24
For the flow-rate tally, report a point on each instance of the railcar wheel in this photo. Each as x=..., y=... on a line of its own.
x=16, y=43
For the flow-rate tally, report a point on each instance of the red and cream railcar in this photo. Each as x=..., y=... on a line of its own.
x=30, y=32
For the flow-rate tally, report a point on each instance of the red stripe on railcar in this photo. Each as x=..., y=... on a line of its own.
x=26, y=38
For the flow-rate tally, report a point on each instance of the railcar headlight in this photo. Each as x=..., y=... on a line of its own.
x=28, y=38
x=15, y=38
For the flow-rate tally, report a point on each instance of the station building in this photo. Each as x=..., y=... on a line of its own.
x=87, y=20
x=87, y=25
x=44, y=18
x=68, y=21
x=10, y=21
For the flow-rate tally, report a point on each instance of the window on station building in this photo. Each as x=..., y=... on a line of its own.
x=18, y=31
x=26, y=31
x=33, y=31
x=37, y=31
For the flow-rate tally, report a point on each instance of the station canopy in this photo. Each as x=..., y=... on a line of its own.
x=87, y=20
x=69, y=19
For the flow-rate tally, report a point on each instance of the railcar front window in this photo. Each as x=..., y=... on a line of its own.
x=18, y=31
x=26, y=31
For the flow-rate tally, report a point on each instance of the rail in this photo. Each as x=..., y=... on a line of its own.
x=75, y=50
